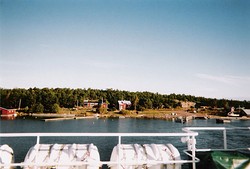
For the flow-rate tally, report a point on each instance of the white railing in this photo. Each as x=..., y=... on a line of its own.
x=189, y=134
x=224, y=129
x=188, y=137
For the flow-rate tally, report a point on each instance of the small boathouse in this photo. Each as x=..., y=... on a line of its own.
x=7, y=112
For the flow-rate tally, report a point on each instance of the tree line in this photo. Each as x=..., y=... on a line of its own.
x=51, y=99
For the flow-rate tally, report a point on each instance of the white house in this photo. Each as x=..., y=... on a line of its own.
x=124, y=104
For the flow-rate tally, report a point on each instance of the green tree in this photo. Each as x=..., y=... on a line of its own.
x=135, y=101
x=101, y=110
x=55, y=108
x=66, y=97
x=38, y=108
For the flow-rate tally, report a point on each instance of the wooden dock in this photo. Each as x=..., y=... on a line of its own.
x=67, y=118
x=59, y=119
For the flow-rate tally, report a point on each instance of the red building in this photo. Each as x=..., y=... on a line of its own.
x=95, y=104
x=7, y=112
x=90, y=103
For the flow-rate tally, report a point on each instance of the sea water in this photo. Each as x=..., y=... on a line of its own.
x=207, y=139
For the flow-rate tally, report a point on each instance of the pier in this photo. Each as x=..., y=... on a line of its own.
x=68, y=118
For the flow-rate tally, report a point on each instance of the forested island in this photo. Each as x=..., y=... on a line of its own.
x=51, y=100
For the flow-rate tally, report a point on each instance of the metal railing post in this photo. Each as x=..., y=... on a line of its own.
x=119, y=151
x=225, y=138
x=38, y=140
x=193, y=151
x=119, y=139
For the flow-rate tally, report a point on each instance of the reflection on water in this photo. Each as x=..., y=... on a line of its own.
x=105, y=145
x=8, y=117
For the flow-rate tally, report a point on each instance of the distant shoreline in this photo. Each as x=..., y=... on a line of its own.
x=163, y=115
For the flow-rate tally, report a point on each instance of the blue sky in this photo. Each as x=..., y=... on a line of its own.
x=192, y=47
